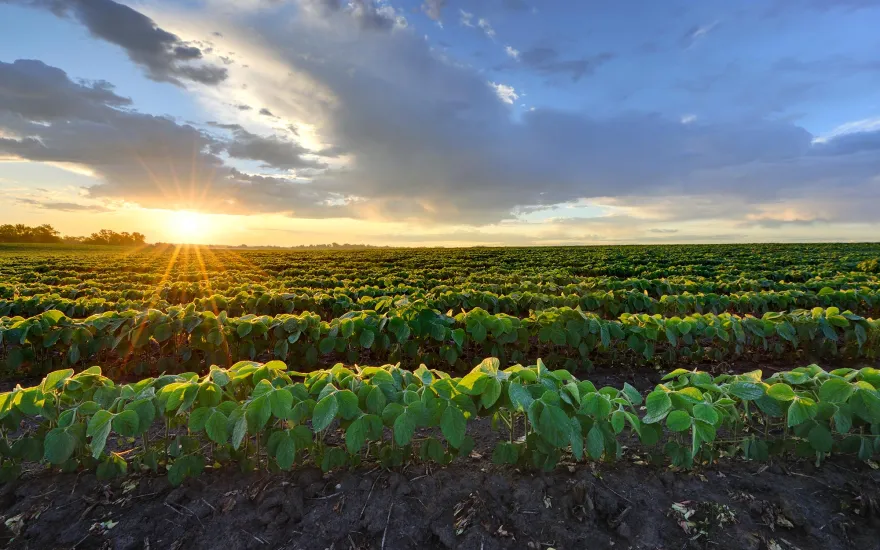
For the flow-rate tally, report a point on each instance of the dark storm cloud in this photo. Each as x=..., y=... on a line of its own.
x=163, y=55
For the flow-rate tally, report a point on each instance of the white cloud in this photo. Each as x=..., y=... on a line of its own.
x=687, y=119
x=512, y=52
x=487, y=28
x=466, y=18
x=505, y=93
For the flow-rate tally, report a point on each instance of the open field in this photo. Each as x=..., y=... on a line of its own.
x=647, y=397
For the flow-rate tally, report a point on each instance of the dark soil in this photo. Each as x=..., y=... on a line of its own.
x=472, y=504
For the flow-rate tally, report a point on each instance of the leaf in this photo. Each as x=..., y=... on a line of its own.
x=820, y=438
x=54, y=380
x=706, y=413
x=215, y=427
x=281, y=403
x=404, y=428
x=356, y=435
x=376, y=400
x=678, y=421
x=491, y=393
x=595, y=442
x=198, y=418
x=367, y=338
x=836, y=390
x=238, y=432
x=184, y=467
x=520, y=398
x=632, y=394
x=324, y=413
x=781, y=392
x=553, y=425
x=162, y=332
x=801, y=410
x=453, y=425
x=748, y=391
x=285, y=454
x=658, y=404
x=58, y=446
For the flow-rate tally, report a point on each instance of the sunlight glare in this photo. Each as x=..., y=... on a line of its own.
x=189, y=227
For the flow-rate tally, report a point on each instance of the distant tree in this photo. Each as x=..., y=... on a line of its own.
x=109, y=237
x=21, y=233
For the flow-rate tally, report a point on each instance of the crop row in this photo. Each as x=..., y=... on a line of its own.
x=116, y=286
x=608, y=304
x=796, y=263
x=186, y=339
x=261, y=416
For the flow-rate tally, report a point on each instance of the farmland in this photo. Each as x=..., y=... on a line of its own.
x=609, y=376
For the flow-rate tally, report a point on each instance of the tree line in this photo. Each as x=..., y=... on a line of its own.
x=21, y=233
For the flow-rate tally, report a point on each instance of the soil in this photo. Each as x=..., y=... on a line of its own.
x=631, y=503
x=470, y=504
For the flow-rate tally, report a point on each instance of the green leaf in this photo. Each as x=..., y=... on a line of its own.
x=801, y=410
x=632, y=394
x=618, y=419
x=491, y=393
x=658, y=404
x=553, y=425
x=747, y=391
x=836, y=390
x=58, y=446
x=520, y=398
x=706, y=413
x=184, y=467
x=198, y=418
x=238, y=432
x=54, y=380
x=820, y=438
x=215, y=427
x=162, y=332
x=324, y=413
x=356, y=435
x=404, y=428
x=376, y=400
x=348, y=404
x=366, y=339
x=678, y=421
x=595, y=442
x=781, y=392
x=281, y=403
x=285, y=453
x=453, y=425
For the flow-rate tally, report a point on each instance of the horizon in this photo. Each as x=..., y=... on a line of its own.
x=442, y=123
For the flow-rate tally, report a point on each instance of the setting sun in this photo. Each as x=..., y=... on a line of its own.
x=189, y=227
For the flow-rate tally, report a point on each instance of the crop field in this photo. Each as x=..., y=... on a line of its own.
x=633, y=396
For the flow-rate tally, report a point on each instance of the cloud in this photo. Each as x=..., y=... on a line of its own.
x=546, y=61
x=417, y=137
x=505, y=93
x=273, y=151
x=511, y=52
x=465, y=18
x=149, y=160
x=434, y=9
x=696, y=33
x=486, y=28
x=663, y=231
x=163, y=55
x=65, y=206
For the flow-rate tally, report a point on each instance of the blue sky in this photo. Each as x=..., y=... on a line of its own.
x=444, y=122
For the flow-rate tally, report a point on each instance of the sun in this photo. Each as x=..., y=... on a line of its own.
x=189, y=227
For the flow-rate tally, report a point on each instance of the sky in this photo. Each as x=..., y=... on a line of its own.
x=443, y=122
